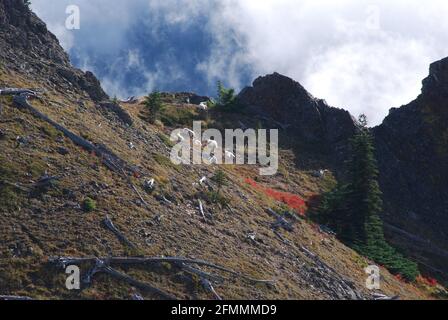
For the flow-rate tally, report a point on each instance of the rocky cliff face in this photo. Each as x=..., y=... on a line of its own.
x=412, y=150
x=296, y=109
x=28, y=48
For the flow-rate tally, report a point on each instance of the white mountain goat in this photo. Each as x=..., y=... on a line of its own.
x=203, y=106
x=320, y=173
x=229, y=155
x=189, y=132
x=149, y=185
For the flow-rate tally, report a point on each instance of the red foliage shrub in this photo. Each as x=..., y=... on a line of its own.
x=428, y=281
x=399, y=277
x=291, y=200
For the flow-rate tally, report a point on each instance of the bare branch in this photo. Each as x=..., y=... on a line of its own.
x=65, y=261
x=209, y=287
x=141, y=285
x=201, y=209
x=109, y=224
x=5, y=298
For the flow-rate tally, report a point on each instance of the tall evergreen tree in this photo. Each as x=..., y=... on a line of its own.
x=365, y=204
x=353, y=210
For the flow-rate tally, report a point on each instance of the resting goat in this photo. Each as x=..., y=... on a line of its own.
x=130, y=100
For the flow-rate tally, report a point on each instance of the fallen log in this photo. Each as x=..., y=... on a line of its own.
x=102, y=266
x=201, y=210
x=209, y=287
x=99, y=264
x=109, y=159
x=41, y=183
x=65, y=261
x=137, y=297
x=280, y=222
x=380, y=296
x=17, y=91
x=201, y=274
x=141, y=285
x=282, y=239
x=16, y=298
x=45, y=181
x=109, y=225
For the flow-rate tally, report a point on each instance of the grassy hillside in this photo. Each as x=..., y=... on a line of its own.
x=38, y=224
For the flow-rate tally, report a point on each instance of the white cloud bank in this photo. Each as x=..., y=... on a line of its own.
x=364, y=56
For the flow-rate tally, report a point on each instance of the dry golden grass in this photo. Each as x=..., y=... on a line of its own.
x=45, y=225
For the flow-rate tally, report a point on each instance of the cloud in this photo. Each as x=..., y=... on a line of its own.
x=365, y=56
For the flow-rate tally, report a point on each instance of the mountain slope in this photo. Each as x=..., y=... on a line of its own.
x=38, y=223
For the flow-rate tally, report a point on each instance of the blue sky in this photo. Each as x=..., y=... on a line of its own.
x=364, y=56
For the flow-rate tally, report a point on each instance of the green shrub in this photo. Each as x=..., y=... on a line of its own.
x=51, y=131
x=89, y=205
x=227, y=100
x=220, y=178
x=226, y=96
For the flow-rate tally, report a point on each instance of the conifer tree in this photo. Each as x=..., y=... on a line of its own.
x=226, y=97
x=221, y=179
x=154, y=104
x=353, y=210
